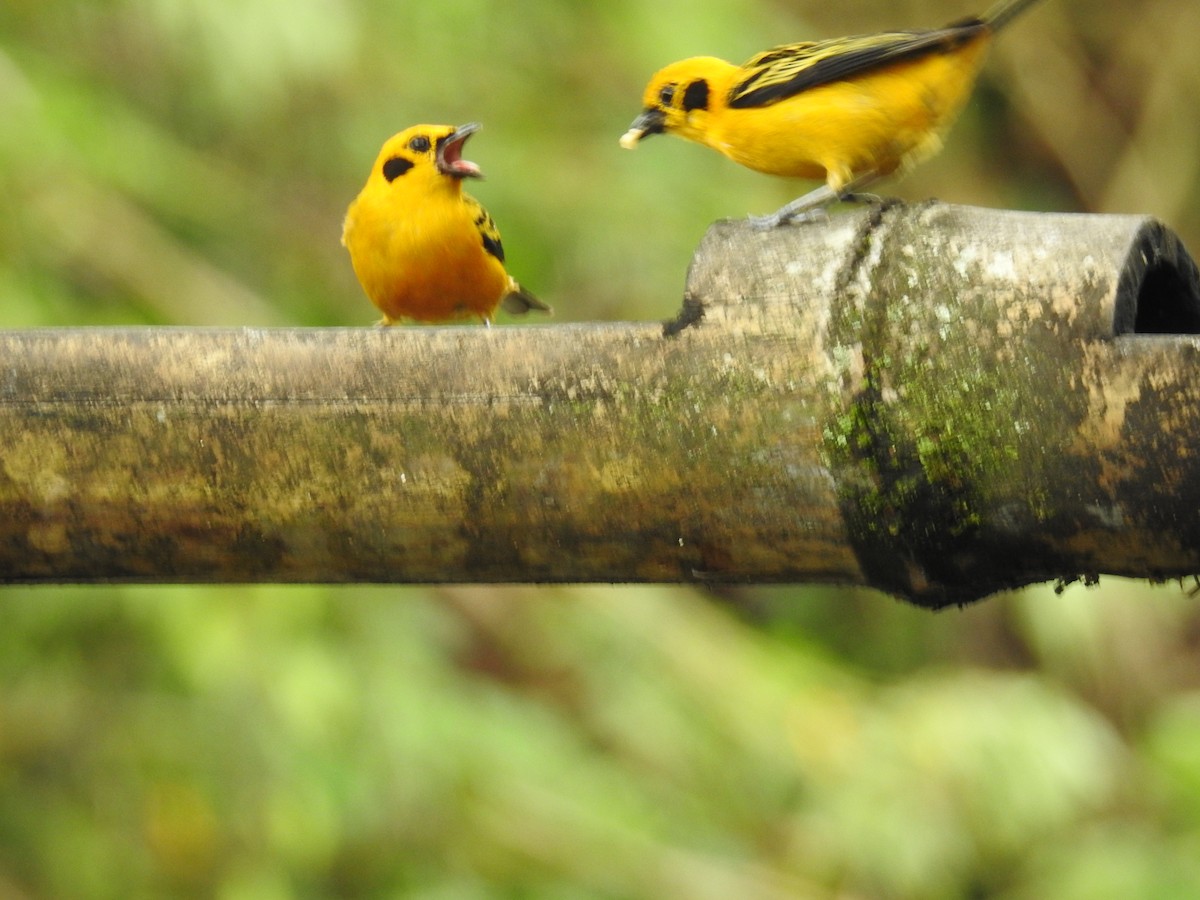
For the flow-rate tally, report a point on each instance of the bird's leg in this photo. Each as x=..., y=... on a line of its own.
x=811, y=207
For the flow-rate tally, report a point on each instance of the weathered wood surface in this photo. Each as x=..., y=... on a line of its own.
x=937, y=401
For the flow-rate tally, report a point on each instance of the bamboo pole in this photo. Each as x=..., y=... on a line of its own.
x=936, y=401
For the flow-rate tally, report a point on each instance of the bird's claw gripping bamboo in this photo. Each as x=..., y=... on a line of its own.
x=845, y=111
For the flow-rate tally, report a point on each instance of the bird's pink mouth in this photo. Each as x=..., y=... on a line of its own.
x=449, y=153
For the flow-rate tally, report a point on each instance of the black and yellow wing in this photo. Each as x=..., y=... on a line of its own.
x=517, y=300
x=785, y=71
x=488, y=232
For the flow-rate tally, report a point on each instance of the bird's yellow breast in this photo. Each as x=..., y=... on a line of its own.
x=422, y=257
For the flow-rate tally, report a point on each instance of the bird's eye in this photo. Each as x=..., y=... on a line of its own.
x=419, y=144
x=666, y=95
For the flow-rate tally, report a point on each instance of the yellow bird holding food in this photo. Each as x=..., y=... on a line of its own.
x=846, y=111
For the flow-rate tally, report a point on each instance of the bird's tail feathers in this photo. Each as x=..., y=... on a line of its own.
x=519, y=301
x=1005, y=11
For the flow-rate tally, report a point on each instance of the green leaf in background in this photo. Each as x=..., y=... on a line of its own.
x=188, y=162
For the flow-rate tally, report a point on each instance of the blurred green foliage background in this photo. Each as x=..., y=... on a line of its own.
x=188, y=162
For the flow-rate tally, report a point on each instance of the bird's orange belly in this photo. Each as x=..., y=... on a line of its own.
x=430, y=281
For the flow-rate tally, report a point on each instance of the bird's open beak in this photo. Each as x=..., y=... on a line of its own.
x=449, y=153
x=651, y=121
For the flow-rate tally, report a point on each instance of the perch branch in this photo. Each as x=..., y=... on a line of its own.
x=936, y=401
